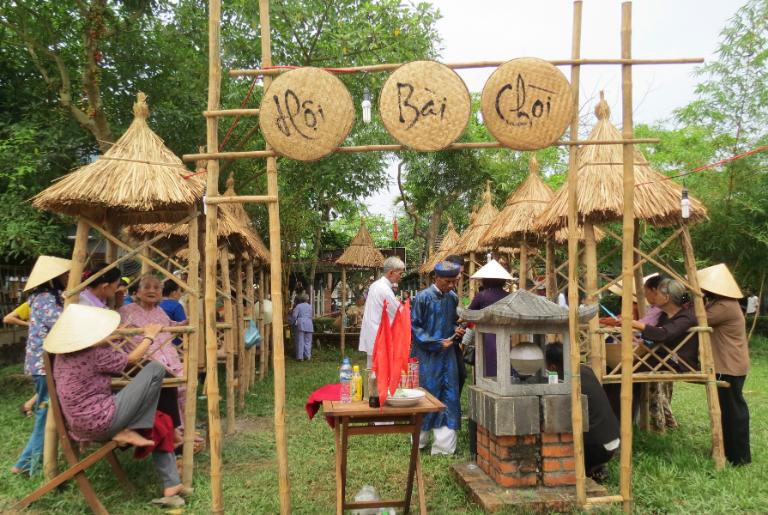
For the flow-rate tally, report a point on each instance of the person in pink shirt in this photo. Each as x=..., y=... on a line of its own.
x=146, y=310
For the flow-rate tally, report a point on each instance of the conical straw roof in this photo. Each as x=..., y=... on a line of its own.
x=362, y=253
x=600, y=197
x=137, y=180
x=515, y=222
x=234, y=230
x=450, y=240
x=470, y=239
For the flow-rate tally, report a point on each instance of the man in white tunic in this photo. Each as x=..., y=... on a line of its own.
x=378, y=292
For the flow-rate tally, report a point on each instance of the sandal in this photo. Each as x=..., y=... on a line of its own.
x=172, y=501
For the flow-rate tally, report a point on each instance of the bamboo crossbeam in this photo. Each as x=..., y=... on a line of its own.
x=388, y=67
x=606, y=499
x=144, y=259
x=230, y=112
x=650, y=377
x=241, y=199
x=223, y=325
x=175, y=329
x=114, y=264
x=353, y=149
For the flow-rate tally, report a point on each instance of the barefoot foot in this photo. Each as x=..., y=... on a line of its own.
x=131, y=437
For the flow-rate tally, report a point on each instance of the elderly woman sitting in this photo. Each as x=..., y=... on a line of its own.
x=146, y=310
x=83, y=371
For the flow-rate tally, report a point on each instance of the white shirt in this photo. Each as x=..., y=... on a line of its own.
x=378, y=292
x=751, y=305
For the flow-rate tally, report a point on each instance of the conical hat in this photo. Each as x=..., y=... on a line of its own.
x=718, y=280
x=492, y=270
x=617, y=288
x=45, y=269
x=79, y=327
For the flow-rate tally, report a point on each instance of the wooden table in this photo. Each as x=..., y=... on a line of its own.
x=357, y=418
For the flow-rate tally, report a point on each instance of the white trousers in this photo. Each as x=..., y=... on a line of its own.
x=444, y=440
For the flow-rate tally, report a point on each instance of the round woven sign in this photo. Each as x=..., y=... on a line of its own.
x=527, y=104
x=306, y=113
x=425, y=105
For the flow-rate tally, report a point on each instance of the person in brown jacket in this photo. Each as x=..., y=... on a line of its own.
x=731, y=356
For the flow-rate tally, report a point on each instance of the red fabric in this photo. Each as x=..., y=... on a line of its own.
x=382, y=355
x=401, y=344
x=161, y=433
x=329, y=392
x=392, y=350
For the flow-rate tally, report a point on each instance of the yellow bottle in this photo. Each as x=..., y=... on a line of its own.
x=357, y=384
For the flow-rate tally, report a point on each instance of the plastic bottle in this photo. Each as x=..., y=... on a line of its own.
x=373, y=395
x=357, y=384
x=345, y=378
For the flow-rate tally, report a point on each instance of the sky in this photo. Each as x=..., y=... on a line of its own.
x=500, y=30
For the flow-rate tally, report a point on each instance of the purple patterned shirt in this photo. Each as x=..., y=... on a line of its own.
x=44, y=311
x=83, y=384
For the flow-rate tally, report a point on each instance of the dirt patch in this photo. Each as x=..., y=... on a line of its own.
x=244, y=425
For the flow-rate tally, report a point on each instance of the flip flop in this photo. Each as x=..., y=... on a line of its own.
x=172, y=501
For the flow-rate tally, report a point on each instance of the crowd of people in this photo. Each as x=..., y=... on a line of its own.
x=87, y=354
x=437, y=334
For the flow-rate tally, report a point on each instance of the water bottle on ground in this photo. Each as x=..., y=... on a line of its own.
x=345, y=378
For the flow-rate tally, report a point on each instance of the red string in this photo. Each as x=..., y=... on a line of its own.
x=711, y=165
x=231, y=127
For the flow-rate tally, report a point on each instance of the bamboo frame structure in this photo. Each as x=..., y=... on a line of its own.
x=213, y=112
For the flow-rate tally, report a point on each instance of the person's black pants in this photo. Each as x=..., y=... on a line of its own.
x=461, y=366
x=595, y=456
x=735, y=420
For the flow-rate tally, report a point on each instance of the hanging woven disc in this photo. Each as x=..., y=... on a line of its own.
x=306, y=113
x=425, y=105
x=527, y=104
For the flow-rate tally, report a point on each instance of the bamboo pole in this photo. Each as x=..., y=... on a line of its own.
x=144, y=255
x=231, y=112
x=250, y=297
x=645, y=390
x=573, y=261
x=523, y=272
x=387, y=67
x=240, y=330
x=625, y=482
x=472, y=287
x=201, y=347
x=256, y=154
x=596, y=350
x=705, y=352
x=277, y=289
x=343, y=303
x=79, y=258
x=262, y=327
x=211, y=258
x=549, y=270
x=229, y=341
x=191, y=360
x=239, y=199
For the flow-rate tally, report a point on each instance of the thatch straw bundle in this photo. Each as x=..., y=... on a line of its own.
x=361, y=253
x=450, y=240
x=561, y=235
x=515, y=222
x=600, y=196
x=471, y=239
x=138, y=180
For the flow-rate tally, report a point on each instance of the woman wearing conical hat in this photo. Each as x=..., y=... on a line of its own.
x=45, y=284
x=85, y=363
x=731, y=355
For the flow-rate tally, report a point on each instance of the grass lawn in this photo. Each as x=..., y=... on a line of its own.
x=672, y=473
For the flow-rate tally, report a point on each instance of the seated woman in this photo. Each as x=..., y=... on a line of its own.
x=146, y=310
x=672, y=327
x=83, y=371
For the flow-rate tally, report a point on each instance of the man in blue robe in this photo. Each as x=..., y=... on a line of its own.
x=433, y=325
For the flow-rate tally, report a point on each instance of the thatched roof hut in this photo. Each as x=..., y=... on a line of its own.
x=471, y=239
x=450, y=240
x=137, y=180
x=600, y=177
x=361, y=253
x=561, y=235
x=515, y=223
x=234, y=226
